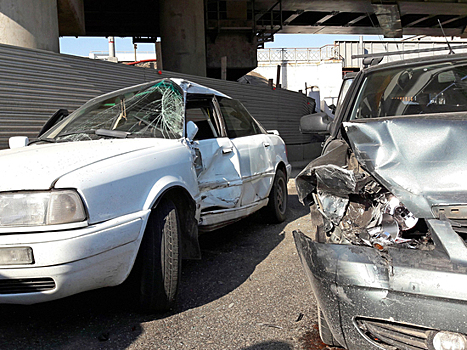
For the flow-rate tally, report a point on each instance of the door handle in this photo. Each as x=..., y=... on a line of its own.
x=266, y=144
x=227, y=150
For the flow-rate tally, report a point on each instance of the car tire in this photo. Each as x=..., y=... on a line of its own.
x=160, y=259
x=325, y=331
x=277, y=204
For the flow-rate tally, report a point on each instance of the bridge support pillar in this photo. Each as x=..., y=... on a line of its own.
x=30, y=23
x=182, y=36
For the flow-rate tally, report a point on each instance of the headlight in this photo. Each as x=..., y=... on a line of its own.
x=40, y=208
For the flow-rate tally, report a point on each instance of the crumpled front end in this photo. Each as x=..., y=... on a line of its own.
x=400, y=299
x=386, y=256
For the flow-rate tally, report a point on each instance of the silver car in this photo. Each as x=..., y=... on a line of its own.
x=387, y=255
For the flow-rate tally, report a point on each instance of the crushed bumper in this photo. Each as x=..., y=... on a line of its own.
x=401, y=287
x=73, y=261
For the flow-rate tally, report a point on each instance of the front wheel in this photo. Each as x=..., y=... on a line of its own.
x=277, y=205
x=160, y=259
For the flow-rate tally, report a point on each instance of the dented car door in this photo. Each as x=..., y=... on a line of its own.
x=254, y=147
x=217, y=164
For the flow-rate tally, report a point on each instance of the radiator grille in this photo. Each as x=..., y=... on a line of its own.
x=26, y=285
x=391, y=334
x=460, y=226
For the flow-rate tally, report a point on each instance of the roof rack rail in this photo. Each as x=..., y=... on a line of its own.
x=371, y=55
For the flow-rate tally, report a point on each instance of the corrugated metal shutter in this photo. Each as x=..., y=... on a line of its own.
x=35, y=83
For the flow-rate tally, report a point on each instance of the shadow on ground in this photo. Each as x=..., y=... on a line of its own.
x=106, y=319
x=270, y=345
x=312, y=341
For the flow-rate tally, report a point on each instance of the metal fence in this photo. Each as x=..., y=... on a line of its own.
x=35, y=83
x=312, y=54
x=345, y=50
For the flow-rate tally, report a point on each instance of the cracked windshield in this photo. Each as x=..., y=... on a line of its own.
x=148, y=111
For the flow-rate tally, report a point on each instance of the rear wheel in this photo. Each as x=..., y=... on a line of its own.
x=277, y=205
x=160, y=259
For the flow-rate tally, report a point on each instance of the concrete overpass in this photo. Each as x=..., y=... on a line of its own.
x=197, y=33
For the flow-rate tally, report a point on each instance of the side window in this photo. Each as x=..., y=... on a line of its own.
x=238, y=122
x=201, y=113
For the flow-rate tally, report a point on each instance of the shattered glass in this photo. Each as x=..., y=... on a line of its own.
x=154, y=110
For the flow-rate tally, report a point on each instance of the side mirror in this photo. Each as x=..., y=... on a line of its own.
x=18, y=141
x=273, y=132
x=191, y=130
x=316, y=123
x=54, y=119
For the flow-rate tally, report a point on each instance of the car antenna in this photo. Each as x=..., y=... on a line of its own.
x=451, y=52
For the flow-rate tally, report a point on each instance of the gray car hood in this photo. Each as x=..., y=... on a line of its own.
x=421, y=160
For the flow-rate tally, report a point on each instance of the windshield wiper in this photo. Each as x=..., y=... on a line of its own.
x=112, y=133
x=100, y=132
x=46, y=139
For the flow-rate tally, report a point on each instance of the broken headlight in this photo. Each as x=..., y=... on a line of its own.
x=375, y=219
x=40, y=208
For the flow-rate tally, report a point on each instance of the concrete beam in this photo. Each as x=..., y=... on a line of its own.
x=293, y=16
x=424, y=18
x=183, y=36
x=432, y=8
x=361, y=6
x=355, y=30
x=389, y=19
x=326, y=18
x=29, y=23
x=71, y=17
x=358, y=19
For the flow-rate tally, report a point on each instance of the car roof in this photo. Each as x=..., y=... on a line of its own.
x=417, y=61
x=190, y=87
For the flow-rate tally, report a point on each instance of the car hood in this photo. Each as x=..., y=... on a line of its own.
x=39, y=166
x=421, y=160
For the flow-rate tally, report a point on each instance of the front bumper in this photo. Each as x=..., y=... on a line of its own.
x=72, y=261
x=423, y=289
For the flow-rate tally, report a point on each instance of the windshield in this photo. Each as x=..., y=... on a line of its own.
x=424, y=89
x=149, y=110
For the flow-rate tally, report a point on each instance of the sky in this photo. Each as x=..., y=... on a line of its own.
x=82, y=46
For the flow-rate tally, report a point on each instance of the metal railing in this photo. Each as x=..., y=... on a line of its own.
x=312, y=54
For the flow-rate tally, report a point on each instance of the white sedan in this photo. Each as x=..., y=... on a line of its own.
x=122, y=185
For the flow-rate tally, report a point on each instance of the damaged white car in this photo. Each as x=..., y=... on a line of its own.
x=122, y=184
x=386, y=253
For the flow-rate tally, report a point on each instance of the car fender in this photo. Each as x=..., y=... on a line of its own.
x=129, y=183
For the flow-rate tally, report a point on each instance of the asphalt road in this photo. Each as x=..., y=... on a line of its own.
x=248, y=292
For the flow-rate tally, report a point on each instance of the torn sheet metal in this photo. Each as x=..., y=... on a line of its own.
x=355, y=208
x=306, y=181
x=421, y=160
x=219, y=180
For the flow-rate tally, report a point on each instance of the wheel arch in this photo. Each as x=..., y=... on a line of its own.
x=281, y=166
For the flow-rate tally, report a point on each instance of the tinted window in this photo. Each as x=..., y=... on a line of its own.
x=238, y=122
x=431, y=88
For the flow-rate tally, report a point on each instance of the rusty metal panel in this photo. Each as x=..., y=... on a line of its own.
x=35, y=83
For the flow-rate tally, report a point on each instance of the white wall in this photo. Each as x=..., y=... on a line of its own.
x=327, y=75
